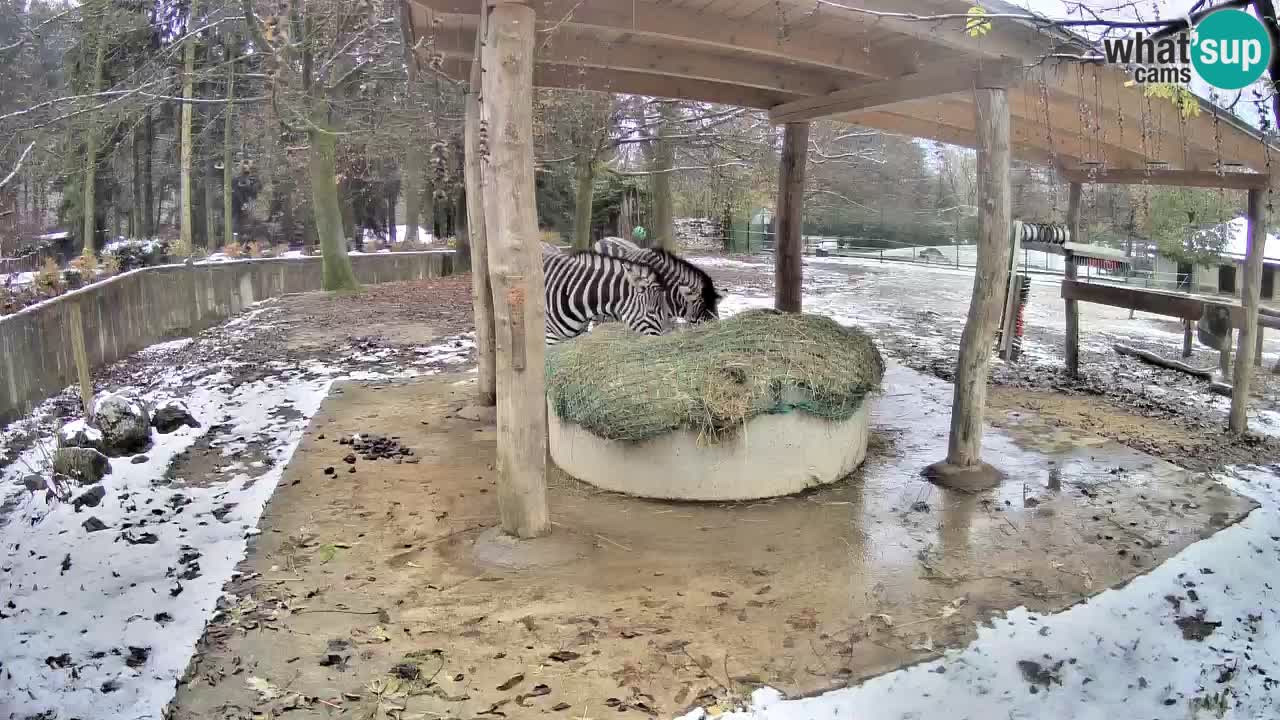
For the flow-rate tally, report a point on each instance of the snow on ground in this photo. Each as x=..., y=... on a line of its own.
x=104, y=604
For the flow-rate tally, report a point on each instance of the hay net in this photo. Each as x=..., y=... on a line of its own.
x=712, y=378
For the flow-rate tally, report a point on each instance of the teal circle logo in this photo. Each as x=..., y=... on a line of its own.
x=1230, y=49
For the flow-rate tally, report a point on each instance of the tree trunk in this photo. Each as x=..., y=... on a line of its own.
x=518, y=292
x=322, y=162
x=428, y=209
x=91, y=147
x=149, y=211
x=462, y=231
x=477, y=187
x=185, y=242
x=412, y=180
x=585, y=176
x=963, y=466
x=788, y=278
x=663, y=232
x=228, y=166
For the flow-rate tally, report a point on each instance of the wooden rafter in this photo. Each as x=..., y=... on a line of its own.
x=924, y=84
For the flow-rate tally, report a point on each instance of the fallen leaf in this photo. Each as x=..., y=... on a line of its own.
x=511, y=682
x=327, y=552
x=266, y=691
x=564, y=655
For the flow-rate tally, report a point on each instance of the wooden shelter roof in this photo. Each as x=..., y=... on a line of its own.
x=817, y=58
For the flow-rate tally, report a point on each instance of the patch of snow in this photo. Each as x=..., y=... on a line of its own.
x=117, y=588
x=166, y=347
x=18, y=280
x=78, y=426
x=1122, y=653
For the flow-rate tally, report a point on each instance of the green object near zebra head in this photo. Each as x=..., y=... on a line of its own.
x=639, y=234
x=711, y=378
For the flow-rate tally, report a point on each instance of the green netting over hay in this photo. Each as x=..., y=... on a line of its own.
x=711, y=378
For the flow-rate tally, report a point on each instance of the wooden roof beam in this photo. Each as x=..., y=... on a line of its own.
x=573, y=77
x=574, y=47
x=680, y=25
x=925, y=84
x=1176, y=178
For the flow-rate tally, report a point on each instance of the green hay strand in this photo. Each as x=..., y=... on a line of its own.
x=711, y=378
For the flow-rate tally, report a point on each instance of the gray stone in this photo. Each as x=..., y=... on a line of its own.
x=171, y=415
x=84, y=465
x=124, y=422
x=90, y=497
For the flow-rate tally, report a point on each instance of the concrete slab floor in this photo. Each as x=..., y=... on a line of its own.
x=663, y=605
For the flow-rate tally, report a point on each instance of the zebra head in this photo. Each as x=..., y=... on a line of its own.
x=651, y=309
x=693, y=292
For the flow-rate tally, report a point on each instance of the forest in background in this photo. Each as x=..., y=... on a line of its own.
x=242, y=125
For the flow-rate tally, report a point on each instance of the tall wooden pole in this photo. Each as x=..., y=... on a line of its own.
x=519, y=306
x=1249, y=296
x=481, y=294
x=963, y=467
x=1073, y=309
x=788, y=269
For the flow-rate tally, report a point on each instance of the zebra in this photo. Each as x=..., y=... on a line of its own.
x=584, y=286
x=690, y=291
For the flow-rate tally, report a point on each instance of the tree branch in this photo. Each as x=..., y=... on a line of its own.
x=17, y=167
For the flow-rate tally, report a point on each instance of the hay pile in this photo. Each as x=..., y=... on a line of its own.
x=712, y=378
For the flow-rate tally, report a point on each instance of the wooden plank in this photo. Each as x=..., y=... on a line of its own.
x=928, y=83
x=481, y=294
x=1072, y=351
x=693, y=29
x=1249, y=292
x=788, y=274
x=576, y=47
x=519, y=310
x=1176, y=305
x=1174, y=178
x=990, y=278
x=639, y=83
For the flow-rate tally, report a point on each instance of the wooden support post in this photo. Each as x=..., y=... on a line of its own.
x=1249, y=297
x=519, y=309
x=963, y=467
x=1072, y=349
x=1187, y=339
x=788, y=268
x=75, y=325
x=481, y=296
x=1257, y=348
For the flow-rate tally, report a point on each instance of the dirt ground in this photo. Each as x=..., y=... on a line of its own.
x=386, y=588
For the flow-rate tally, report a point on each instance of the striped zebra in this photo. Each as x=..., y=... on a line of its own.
x=690, y=291
x=584, y=286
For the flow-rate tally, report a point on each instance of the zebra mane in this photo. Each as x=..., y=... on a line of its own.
x=710, y=297
x=657, y=276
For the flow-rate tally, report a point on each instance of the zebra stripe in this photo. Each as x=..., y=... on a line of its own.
x=690, y=290
x=585, y=286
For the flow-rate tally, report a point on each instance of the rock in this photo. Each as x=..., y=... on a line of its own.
x=125, y=425
x=90, y=498
x=77, y=433
x=171, y=415
x=35, y=483
x=138, y=459
x=93, y=524
x=84, y=465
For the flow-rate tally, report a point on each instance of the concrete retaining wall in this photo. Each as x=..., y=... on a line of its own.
x=140, y=308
